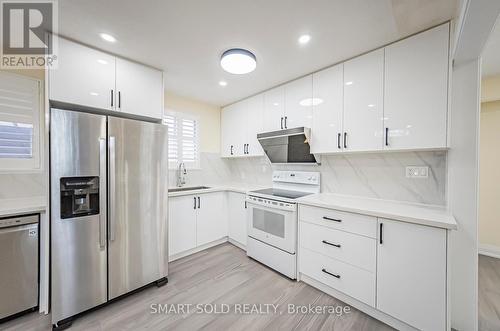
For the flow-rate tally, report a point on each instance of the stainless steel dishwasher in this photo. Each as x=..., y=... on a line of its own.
x=18, y=265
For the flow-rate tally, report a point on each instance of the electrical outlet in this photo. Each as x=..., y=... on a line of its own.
x=417, y=172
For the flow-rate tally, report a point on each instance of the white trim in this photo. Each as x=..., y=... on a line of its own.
x=237, y=244
x=489, y=250
x=196, y=165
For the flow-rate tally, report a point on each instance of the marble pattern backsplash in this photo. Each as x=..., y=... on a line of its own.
x=375, y=175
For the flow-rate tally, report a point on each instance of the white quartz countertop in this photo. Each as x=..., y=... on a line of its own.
x=20, y=206
x=231, y=187
x=407, y=212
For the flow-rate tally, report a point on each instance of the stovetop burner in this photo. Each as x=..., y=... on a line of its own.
x=282, y=193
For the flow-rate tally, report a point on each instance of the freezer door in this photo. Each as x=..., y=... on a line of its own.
x=78, y=243
x=137, y=223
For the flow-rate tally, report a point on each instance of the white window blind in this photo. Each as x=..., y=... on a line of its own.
x=182, y=140
x=19, y=122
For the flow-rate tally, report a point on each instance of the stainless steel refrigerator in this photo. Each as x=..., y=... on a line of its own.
x=108, y=209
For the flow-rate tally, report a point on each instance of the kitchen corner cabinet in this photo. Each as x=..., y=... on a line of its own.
x=91, y=78
x=237, y=217
x=411, y=273
x=327, y=131
x=240, y=123
x=195, y=220
x=416, y=91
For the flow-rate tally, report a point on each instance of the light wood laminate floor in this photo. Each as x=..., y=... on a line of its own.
x=221, y=275
x=489, y=293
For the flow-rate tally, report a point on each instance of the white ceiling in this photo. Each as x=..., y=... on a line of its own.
x=186, y=37
x=490, y=65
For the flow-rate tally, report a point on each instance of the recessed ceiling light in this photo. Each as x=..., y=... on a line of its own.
x=304, y=39
x=108, y=37
x=101, y=61
x=238, y=61
x=308, y=102
x=222, y=83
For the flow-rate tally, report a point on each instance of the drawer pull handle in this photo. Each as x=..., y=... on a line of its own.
x=331, y=219
x=329, y=273
x=331, y=244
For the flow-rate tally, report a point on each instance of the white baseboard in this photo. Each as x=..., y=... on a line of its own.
x=489, y=250
x=196, y=249
x=237, y=244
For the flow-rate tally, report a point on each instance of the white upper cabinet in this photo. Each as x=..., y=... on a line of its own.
x=327, y=109
x=139, y=89
x=416, y=91
x=84, y=76
x=274, y=109
x=298, y=103
x=411, y=274
x=364, y=102
x=240, y=124
x=253, y=123
x=90, y=78
x=232, y=135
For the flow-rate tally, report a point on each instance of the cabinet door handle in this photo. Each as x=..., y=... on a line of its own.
x=199, y=205
x=331, y=244
x=112, y=97
x=331, y=219
x=381, y=240
x=194, y=198
x=387, y=136
x=245, y=204
x=282, y=123
x=345, y=139
x=329, y=273
x=338, y=140
x=286, y=127
x=231, y=149
x=119, y=99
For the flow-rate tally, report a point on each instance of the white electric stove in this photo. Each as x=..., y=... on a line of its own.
x=272, y=219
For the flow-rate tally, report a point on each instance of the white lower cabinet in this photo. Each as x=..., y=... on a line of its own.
x=411, y=274
x=181, y=224
x=237, y=221
x=401, y=271
x=211, y=220
x=196, y=220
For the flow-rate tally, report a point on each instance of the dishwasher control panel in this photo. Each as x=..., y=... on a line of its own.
x=15, y=221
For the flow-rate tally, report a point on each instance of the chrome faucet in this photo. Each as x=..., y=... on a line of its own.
x=181, y=174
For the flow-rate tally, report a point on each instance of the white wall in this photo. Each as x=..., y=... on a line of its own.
x=463, y=171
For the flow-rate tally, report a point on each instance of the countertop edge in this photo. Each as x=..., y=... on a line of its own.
x=451, y=224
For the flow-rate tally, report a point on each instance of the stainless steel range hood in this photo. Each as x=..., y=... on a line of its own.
x=287, y=146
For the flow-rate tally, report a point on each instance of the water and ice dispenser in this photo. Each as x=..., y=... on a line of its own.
x=79, y=196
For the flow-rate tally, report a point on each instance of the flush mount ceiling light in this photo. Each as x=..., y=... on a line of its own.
x=108, y=37
x=311, y=102
x=238, y=61
x=304, y=39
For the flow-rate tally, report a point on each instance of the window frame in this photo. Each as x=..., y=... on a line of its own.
x=34, y=164
x=179, y=117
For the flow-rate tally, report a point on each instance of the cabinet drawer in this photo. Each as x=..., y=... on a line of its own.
x=344, y=246
x=353, y=281
x=355, y=223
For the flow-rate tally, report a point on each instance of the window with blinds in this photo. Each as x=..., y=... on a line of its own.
x=20, y=114
x=182, y=140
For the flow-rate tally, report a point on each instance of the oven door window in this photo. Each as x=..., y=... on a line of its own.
x=269, y=222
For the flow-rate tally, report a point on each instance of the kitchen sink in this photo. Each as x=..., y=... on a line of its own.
x=191, y=188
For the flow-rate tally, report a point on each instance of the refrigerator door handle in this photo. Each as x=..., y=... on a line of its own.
x=102, y=192
x=112, y=191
